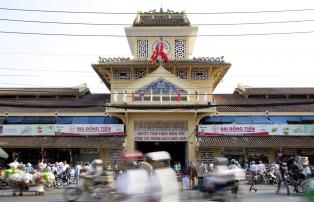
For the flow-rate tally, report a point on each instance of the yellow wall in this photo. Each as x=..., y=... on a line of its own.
x=192, y=155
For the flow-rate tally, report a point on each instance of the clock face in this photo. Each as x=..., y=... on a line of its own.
x=166, y=45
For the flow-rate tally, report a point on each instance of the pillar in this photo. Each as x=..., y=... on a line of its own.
x=104, y=155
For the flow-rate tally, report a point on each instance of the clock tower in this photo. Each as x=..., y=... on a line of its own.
x=174, y=27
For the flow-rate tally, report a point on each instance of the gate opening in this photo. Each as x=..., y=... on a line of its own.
x=177, y=150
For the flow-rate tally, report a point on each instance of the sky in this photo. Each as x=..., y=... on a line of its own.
x=284, y=60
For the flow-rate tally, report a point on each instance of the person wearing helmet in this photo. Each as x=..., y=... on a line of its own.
x=164, y=184
x=133, y=184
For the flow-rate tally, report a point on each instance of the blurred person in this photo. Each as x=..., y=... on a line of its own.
x=253, y=170
x=164, y=185
x=232, y=164
x=133, y=185
x=261, y=166
x=192, y=173
x=65, y=167
x=29, y=168
x=282, y=175
x=77, y=172
x=201, y=172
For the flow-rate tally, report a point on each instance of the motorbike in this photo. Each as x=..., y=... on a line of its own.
x=96, y=188
x=64, y=178
x=222, y=186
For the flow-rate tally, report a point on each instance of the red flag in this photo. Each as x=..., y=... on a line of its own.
x=133, y=96
x=142, y=96
x=178, y=96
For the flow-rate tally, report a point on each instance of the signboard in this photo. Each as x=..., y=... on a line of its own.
x=160, y=131
x=255, y=130
x=27, y=130
x=234, y=151
x=89, y=129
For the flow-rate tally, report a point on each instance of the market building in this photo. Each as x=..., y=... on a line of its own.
x=167, y=104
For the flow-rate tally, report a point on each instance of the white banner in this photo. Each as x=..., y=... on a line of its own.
x=89, y=129
x=256, y=129
x=27, y=130
x=160, y=131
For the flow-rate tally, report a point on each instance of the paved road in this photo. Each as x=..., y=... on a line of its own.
x=264, y=193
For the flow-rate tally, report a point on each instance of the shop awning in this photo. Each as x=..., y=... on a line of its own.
x=262, y=142
x=61, y=142
x=3, y=154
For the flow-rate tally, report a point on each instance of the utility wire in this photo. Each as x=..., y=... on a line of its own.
x=120, y=36
x=132, y=13
x=124, y=24
x=64, y=23
x=45, y=70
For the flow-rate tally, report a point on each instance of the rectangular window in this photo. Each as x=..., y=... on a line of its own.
x=180, y=49
x=142, y=49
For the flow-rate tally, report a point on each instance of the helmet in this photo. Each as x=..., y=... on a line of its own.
x=132, y=156
x=233, y=161
x=158, y=156
x=97, y=162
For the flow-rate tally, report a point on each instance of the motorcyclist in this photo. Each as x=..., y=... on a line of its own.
x=133, y=184
x=164, y=186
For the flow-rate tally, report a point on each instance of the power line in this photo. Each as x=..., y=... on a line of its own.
x=64, y=23
x=132, y=13
x=58, y=54
x=44, y=70
x=125, y=24
x=120, y=36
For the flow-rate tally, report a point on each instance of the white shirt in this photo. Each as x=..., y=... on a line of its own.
x=135, y=184
x=169, y=187
x=261, y=166
x=253, y=167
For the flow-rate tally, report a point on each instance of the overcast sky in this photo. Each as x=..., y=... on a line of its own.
x=257, y=61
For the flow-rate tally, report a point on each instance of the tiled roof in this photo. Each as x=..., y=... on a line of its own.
x=44, y=91
x=161, y=19
x=62, y=142
x=277, y=91
x=149, y=62
x=235, y=99
x=251, y=142
x=87, y=103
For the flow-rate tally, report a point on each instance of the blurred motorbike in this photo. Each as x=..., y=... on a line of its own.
x=96, y=187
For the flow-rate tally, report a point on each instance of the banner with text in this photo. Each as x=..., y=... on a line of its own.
x=255, y=130
x=160, y=131
x=27, y=130
x=89, y=129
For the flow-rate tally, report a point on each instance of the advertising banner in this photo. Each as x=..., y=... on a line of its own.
x=160, y=131
x=27, y=130
x=255, y=130
x=89, y=129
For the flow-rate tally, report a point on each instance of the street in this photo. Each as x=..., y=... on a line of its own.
x=264, y=193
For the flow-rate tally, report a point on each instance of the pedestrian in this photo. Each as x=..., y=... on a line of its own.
x=29, y=168
x=282, y=175
x=77, y=172
x=253, y=170
x=192, y=174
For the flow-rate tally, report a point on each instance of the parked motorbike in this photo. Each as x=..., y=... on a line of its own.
x=64, y=178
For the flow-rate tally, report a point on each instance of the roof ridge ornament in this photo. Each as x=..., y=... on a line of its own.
x=103, y=60
x=211, y=59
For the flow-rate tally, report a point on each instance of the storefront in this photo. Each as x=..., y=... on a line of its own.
x=59, y=142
